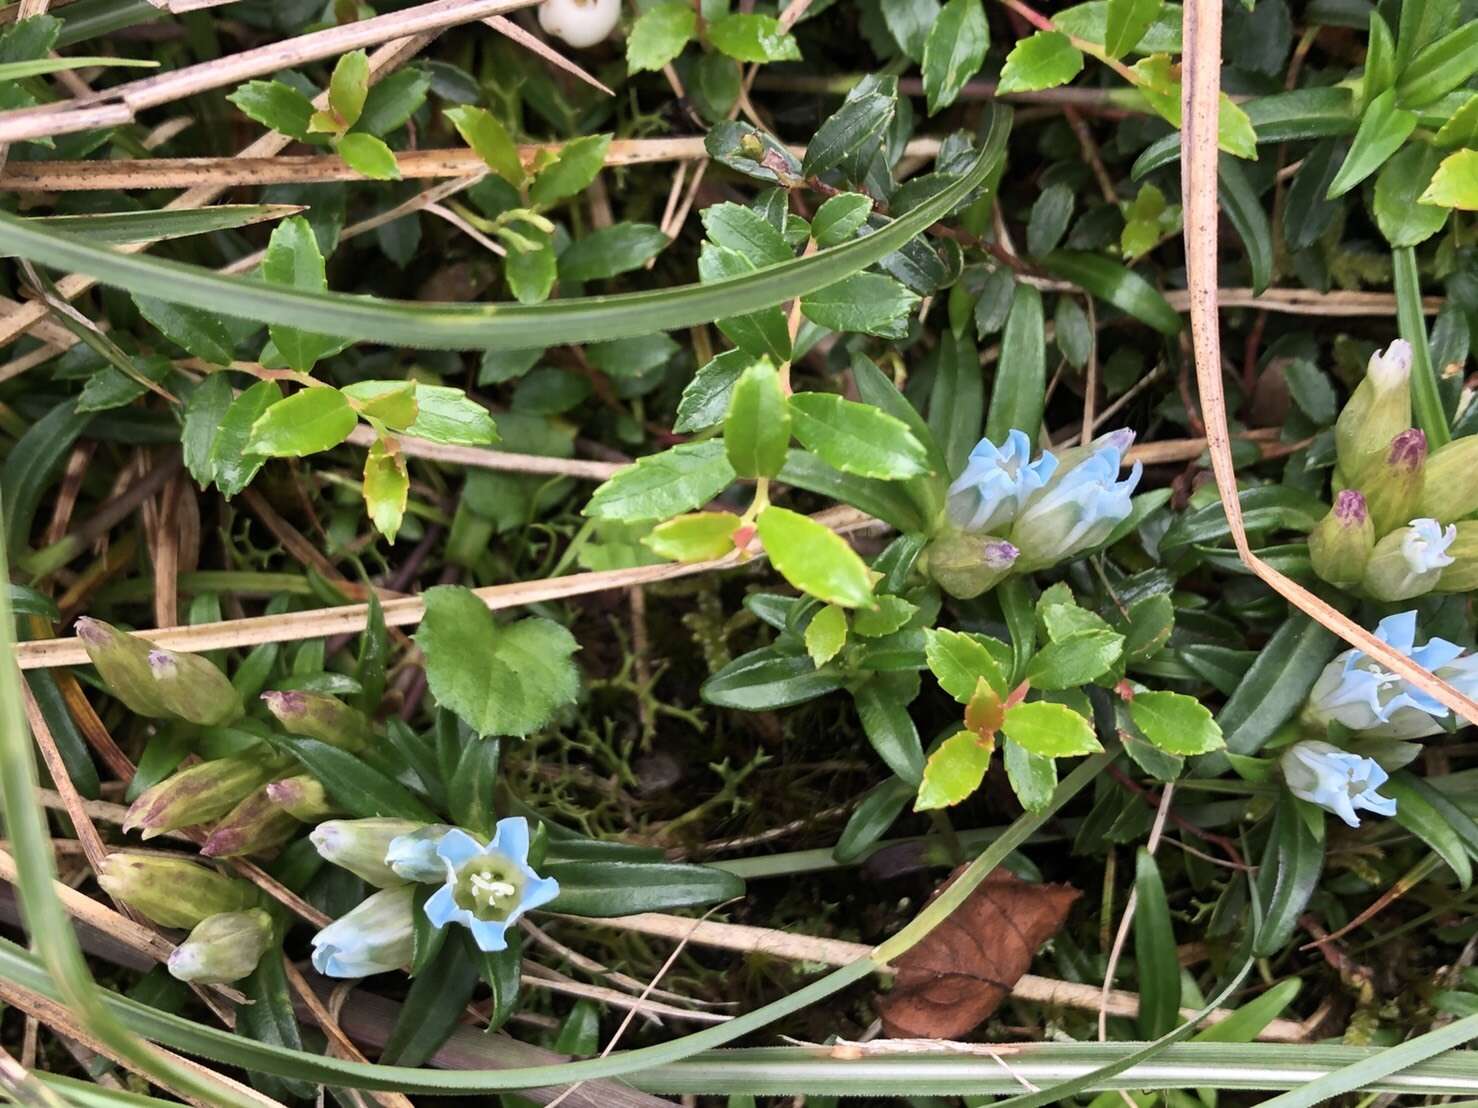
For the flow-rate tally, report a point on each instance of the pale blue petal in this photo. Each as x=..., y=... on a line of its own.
x=512, y=838
x=457, y=847
x=442, y=908
x=489, y=936
x=538, y=892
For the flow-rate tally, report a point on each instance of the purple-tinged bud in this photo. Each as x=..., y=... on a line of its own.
x=193, y=689
x=223, y=948
x=320, y=717
x=1393, y=485
x=1409, y=561
x=303, y=797
x=200, y=794
x=1340, y=545
x=1377, y=411
x=172, y=892
x=966, y=565
x=1451, y=491
x=255, y=825
x=122, y=661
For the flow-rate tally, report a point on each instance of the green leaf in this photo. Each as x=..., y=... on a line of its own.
x=1051, y=730
x=746, y=231
x=769, y=678
x=386, y=488
x=155, y=224
x=392, y=403
x=1176, y=723
x=954, y=771
x=490, y=141
x=201, y=333
x=1461, y=129
x=611, y=251
x=294, y=261
x=580, y=160
x=1383, y=128
x=889, y=502
x=1380, y=60
x=879, y=809
x=705, y=399
x=1126, y=24
x=1021, y=371
x=349, y=86
x=748, y=37
x=1288, y=876
x=1416, y=812
x=230, y=462
x=1455, y=182
x=826, y=634
x=909, y=22
x=1075, y=660
x=501, y=679
x=1439, y=67
x=954, y=51
x=693, y=538
x=757, y=428
x=956, y=400
x=659, y=35
x=433, y=1004
x=1072, y=332
x=1244, y=210
x=857, y=438
x=959, y=660
x=598, y=889
x=368, y=155
x=306, y=422
x=814, y=558
x=1043, y=60
x=38, y=67
x=354, y=785
x=1277, y=684
x=448, y=415
x=840, y=218
x=1154, y=951
x=268, y=1018
x=1033, y=778
x=890, y=615
x=205, y=412
x=276, y=105
x=854, y=130
x=531, y=273
x=1401, y=213
x=764, y=333
x=663, y=485
x=889, y=728
x=1049, y=219
x=391, y=102
x=1090, y=22
x=867, y=302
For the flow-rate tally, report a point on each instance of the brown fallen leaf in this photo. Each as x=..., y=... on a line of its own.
x=958, y=975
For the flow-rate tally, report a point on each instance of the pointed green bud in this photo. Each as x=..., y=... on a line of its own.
x=303, y=797
x=966, y=565
x=1450, y=491
x=193, y=689
x=1377, y=411
x=1462, y=575
x=360, y=845
x=255, y=825
x=171, y=892
x=200, y=794
x=1409, y=561
x=1393, y=484
x=222, y=948
x=1340, y=545
x=320, y=717
x=122, y=661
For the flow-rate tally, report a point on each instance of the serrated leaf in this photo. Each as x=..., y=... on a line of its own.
x=954, y=771
x=349, y=86
x=392, y=403
x=1043, y=60
x=1075, y=660
x=201, y=333
x=306, y=422
x=840, y=218
x=744, y=230
x=489, y=140
x=205, y=411
x=954, y=51
x=958, y=662
x=826, y=634
x=1176, y=723
x=369, y=155
x=507, y=679
x=231, y=464
x=857, y=438
x=663, y=485
x=1050, y=730
x=748, y=37
x=1127, y=22
x=757, y=427
x=814, y=558
x=853, y=129
x=659, y=35
x=867, y=302
x=705, y=399
x=580, y=160
x=276, y=105
x=293, y=259
x=611, y=251
x=891, y=613
x=1455, y=184
x=386, y=488
x=697, y=537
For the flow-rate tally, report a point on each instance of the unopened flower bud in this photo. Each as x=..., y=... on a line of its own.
x=375, y=937
x=192, y=688
x=966, y=565
x=580, y=23
x=1378, y=410
x=996, y=483
x=122, y=661
x=1079, y=507
x=222, y=948
x=1393, y=484
x=199, y=794
x=1409, y=561
x=1335, y=780
x=1462, y=574
x=413, y=856
x=171, y=892
x=360, y=846
x=255, y=825
x=320, y=717
x=1340, y=545
x=303, y=797
x=1451, y=490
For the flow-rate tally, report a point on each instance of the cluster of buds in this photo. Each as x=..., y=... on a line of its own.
x=1009, y=514
x=1393, y=533
x=485, y=887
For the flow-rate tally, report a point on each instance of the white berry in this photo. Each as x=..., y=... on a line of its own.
x=580, y=23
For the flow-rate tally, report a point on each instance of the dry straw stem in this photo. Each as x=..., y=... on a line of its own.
x=836, y=952
x=1201, y=74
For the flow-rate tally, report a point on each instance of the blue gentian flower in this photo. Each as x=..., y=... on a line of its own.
x=488, y=887
x=996, y=483
x=1336, y=780
x=1356, y=692
x=1079, y=507
x=375, y=937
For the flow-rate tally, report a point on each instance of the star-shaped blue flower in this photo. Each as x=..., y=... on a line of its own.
x=996, y=482
x=488, y=887
x=1336, y=780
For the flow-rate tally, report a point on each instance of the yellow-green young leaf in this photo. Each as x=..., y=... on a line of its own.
x=1127, y=21
x=958, y=661
x=693, y=538
x=370, y=156
x=753, y=38
x=489, y=140
x=1461, y=129
x=1455, y=184
x=826, y=634
x=386, y=486
x=349, y=86
x=293, y=259
x=1040, y=61
x=579, y=162
x=276, y=105
x=663, y=485
x=953, y=51
x=325, y=123
x=393, y=403
x=231, y=464
x=757, y=428
x=1033, y=778
x=954, y=771
x=1074, y=660
x=1051, y=730
x=1158, y=83
x=659, y=35
x=890, y=615
x=815, y=559
x=305, y=423
x=1234, y=131
x=857, y=438
x=1176, y=723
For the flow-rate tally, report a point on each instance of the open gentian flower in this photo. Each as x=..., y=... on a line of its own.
x=1336, y=780
x=488, y=887
x=1355, y=691
x=1409, y=561
x=375, y=937
x=996, y=482
x=1080, y=506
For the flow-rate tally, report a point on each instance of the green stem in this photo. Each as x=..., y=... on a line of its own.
x=1426, y=401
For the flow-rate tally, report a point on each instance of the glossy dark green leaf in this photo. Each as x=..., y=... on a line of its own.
x=1120, y=286
x=1277, y=684
x=1154, y=950
x=1416, y=812
x=433, y=1006
x=1244, y=211
x=356, y=786
x=890, y=729
x=624, y=888
x=1020, y=387
x=769, y=678
x=1289, y=876
x=870, y=820
x=953, y=51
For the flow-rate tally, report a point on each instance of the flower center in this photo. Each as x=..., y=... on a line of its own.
x=489, y=888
